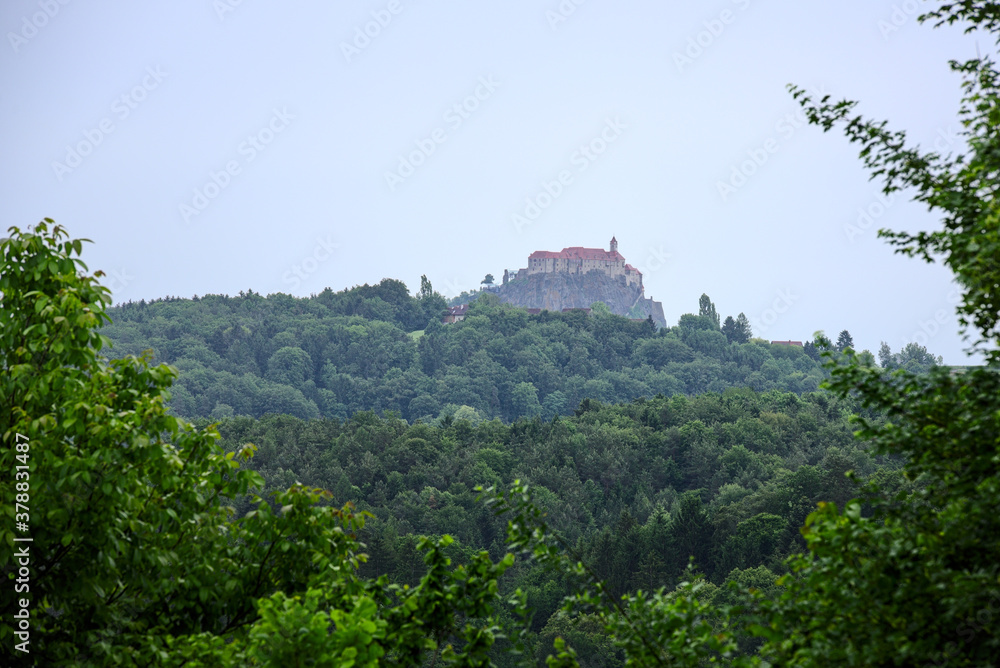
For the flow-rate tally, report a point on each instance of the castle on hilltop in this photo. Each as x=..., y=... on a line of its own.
x=576, y=277
x=579, y=260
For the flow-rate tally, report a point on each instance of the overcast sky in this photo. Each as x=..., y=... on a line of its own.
x=217, y=146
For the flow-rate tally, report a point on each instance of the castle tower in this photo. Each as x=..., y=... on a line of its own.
x=614, y=245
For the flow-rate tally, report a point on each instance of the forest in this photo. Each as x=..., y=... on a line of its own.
x=637, y=489
x=343, y=480
x=378, y=348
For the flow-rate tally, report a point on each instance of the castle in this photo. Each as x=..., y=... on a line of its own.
x=579, y=260
x=577, y=277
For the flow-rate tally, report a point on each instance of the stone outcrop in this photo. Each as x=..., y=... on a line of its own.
x=558, y=291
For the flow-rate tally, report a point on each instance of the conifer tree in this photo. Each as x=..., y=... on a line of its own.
x=844, y=341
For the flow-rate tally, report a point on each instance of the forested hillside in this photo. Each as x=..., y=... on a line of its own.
x=377, y=348
x=638, y=488
x=360, y=485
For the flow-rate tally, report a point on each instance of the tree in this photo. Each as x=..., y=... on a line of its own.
x=811, y=350
x=691, y=533
x=916, y=583
x=661, y=351
x=844, y=341
x=488, y=280
x=738, y=330
x=707, y=308
x=743, y=330
x=135, y=556
x=729, y=329
x=661, y=628
x=915, y=358
x=600, y=309
x=431, y=303
x=554, y=404
x=289, y=365
x=885, y=357
x=524, y=400
x=866, y=358
x=941, y=543
x=426, y=290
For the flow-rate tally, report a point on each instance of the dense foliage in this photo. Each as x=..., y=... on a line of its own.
x=917, y=581
x=126, y=553
x=638, y=488
x=338, y=353
x=140, y=557
x=137, y=558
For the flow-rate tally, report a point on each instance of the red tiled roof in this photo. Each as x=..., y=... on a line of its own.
x=629, y=267
x=786, y=343
x=578, y=253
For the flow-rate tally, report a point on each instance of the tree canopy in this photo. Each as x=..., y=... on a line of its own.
x=335, y=354
x=659, y=531
x=127, y=552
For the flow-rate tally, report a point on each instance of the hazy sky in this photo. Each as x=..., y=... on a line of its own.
x=217, y=146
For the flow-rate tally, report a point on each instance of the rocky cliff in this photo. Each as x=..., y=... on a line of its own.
x=557, y=291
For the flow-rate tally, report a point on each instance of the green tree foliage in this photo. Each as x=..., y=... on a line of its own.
x=640, y=489
x=134, y=557
x=525, y=400
x=885, y=358
x=707, y=309
x=919, y=583
x=289, y=366
x=913, y=358
x=676, y=627
x=339, y=353
x=844, y=341
x=743, y=330
x=738, y=330
x=729, y=328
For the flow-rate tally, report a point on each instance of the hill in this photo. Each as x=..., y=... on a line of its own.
x=335, y=354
